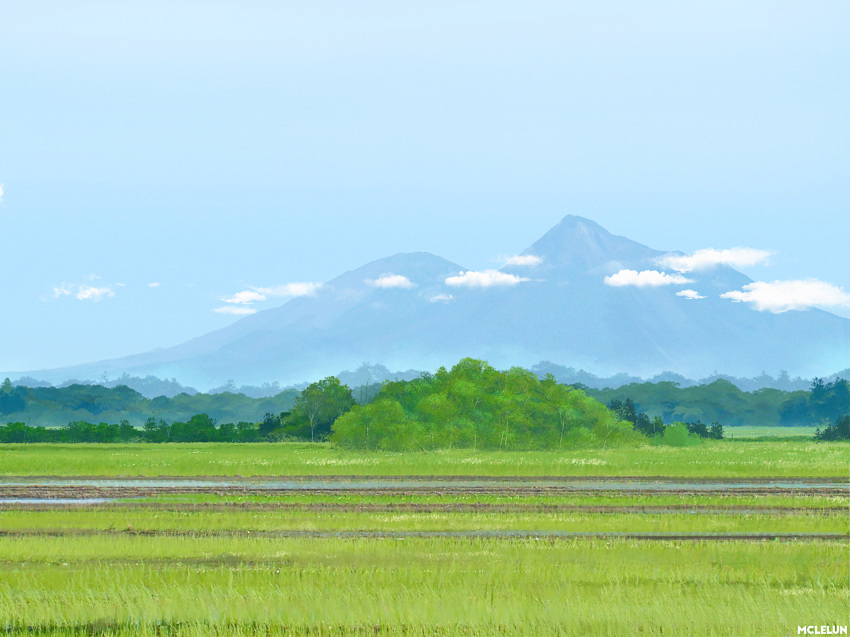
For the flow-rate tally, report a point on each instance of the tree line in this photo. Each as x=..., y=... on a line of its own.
x=199, y=428
x=721, y=401
x=57, y=406
x=313, y=411
x=472, y=405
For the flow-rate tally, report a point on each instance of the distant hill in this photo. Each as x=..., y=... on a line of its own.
x=558, y=309
x=57, y=406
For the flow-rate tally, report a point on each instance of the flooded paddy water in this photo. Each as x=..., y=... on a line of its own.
x=289, y=499
x=48, y=488
x=366, y=484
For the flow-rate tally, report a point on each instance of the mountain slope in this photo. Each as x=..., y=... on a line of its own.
x=646, y=330
x=559, y=309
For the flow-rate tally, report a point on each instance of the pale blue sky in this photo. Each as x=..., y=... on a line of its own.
x=211, y=147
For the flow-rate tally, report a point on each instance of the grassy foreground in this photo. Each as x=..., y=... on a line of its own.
x=723, y=458
x=238, y=586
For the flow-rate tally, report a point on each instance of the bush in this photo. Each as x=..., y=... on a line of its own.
x=840, y=430
x=678, y=435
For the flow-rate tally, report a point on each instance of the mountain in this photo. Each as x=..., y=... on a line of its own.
x=556, y=307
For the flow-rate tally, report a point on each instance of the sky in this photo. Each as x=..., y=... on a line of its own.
x=158, y=158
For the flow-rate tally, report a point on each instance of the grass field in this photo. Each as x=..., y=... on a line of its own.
x=308, y=519
x=199, y=586
x=724, y=458
x=236, y=562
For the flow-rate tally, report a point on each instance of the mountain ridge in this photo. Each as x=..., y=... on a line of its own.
x=418, y=310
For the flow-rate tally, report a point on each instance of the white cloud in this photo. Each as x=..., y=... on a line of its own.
x=486, y=279
x=121, y=285
x=646, y=278
x=290, y=289
x=524, y=259
x=690, y=294
x=89, y=293
x=710, y=257
x=441, y=298
x=391, y=280
x=782, y=296
x=245, y=298
x=154, y=284
x=82, y=292
x=234, y=309
x=241, y=301
x=2, y=192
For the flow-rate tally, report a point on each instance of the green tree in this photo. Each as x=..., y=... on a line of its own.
x=716, y=431
x=319, y=405
x=697, y=428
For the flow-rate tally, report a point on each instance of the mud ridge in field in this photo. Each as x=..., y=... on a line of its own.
x=89, y=492
x=307, y=479
x=406, y=507
x=403, y=535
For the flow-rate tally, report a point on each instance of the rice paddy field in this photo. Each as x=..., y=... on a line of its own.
x=770, y=433
x=722, y=458
x=726, y=538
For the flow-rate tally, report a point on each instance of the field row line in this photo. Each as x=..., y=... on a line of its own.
x=402, y=535
x=427, y=508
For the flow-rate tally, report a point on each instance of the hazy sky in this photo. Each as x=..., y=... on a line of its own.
x=159, y=157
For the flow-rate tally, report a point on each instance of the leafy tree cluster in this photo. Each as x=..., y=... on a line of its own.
x=839, y=430
x=628, y=411
x=715, y=431
x=475, y=406
x=75, y=431
x=315, y=410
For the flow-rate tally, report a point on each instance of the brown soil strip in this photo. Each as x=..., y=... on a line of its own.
x=84, y=492
x=498, y=535
x=441, y=478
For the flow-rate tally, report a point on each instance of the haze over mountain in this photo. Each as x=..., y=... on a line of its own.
x=552, y=302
